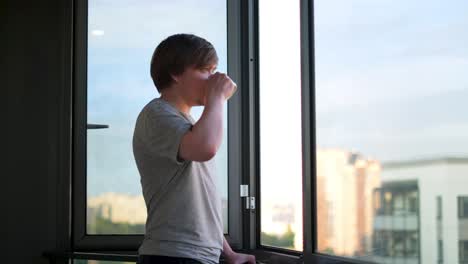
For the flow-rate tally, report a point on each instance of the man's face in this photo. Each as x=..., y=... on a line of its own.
x=193, y=83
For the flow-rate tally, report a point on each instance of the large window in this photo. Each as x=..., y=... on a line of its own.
x=361, y=122
x=114, y=45
x=391, y=133
x=122, y=38
x=280, y=124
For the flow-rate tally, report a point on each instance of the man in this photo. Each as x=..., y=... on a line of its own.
x=174, y=155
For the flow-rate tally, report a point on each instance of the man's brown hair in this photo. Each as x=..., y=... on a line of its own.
x=178, y=52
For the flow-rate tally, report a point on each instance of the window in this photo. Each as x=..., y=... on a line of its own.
x=463, y=207
x=439, y=233
x=440, y=251
x=439, y=207
x=398, y=203
x=463, y=251
x=280, y=124
x=121, y=41
x=379, y=85
x=390, y=125
x=412, y=200
x=388, y=203
x=396, y=244
x=114, y=45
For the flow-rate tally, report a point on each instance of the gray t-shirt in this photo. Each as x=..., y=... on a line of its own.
x=182, y=200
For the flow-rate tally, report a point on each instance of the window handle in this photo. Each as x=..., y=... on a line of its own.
x=96, y=126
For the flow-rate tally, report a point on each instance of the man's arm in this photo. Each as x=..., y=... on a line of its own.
x=203, y=141
x=227, y=250
x=236, y=258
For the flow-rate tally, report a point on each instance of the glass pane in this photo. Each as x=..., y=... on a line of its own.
x=392, y=133
x=121, y=40
x=280, y=124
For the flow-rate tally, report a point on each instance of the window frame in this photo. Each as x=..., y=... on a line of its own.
x=308, y=133
x=88, y=242
x=308, y=136
x=309, y=176
x=307, y=81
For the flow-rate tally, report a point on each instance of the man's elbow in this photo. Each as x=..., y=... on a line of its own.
x=198, y=153
x=207, y=153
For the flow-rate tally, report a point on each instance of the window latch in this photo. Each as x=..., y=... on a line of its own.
x=249, y=201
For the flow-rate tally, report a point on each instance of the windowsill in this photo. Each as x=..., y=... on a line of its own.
x=263, y=256
x=271, y=257
x=132, y=256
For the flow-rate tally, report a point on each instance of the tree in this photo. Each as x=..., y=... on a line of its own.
x=285, y=240
x=106, y=226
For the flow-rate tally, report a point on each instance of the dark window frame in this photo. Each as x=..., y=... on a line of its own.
x=309, y=253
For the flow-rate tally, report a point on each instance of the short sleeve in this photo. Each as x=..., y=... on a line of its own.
x=164, y=132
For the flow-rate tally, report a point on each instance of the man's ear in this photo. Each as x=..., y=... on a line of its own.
x=175, y=78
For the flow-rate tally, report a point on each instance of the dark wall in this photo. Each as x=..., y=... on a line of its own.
x=36, y=77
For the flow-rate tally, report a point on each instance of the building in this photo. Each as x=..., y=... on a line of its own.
x=118, y=207
x=345, y=184
x=421, y=212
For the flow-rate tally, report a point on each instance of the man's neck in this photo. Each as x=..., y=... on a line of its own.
x=177, y=101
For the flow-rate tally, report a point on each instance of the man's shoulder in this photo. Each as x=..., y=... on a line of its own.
x=157, y=108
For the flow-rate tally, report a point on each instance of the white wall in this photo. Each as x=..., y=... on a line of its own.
x=448, y=180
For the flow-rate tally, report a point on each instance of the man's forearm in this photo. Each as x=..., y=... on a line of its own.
x=227, y=250
x=209, y=128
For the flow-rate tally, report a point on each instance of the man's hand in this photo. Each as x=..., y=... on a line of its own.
x=219, y=85
x=239, y=258
x=232, y=257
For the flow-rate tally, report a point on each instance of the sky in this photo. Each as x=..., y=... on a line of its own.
x=122, y=36
x=391, y=79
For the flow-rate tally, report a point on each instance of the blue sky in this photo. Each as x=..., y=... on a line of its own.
x=121, y=40
x=391, y=77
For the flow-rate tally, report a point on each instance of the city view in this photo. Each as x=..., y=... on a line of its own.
x=394, y=212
